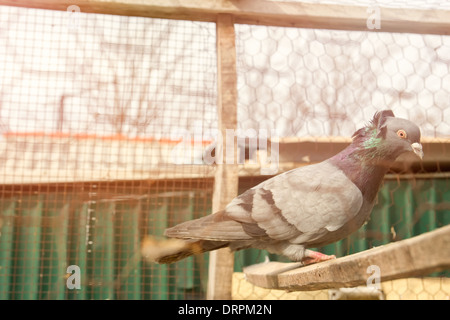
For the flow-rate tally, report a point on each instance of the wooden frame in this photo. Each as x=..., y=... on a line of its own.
x=262, y=12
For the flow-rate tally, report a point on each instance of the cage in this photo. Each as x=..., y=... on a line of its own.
x=111, y=117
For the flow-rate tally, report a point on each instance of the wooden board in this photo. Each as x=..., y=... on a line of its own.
x=418, y=256
x=263, y=12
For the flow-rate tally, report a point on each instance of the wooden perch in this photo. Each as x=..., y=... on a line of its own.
x=416, y=256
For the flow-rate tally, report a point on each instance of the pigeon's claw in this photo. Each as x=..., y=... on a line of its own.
x=314, y=257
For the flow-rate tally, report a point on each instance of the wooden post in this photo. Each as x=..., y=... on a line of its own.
x=221, y=262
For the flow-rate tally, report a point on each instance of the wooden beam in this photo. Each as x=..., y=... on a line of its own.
x=262, y=12
x=416, y=256
x=221, y=262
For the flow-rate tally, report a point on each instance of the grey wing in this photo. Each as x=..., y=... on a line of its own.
x=300, y=206
x=251, y=216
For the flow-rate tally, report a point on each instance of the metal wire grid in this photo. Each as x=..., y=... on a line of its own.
x=97, y=113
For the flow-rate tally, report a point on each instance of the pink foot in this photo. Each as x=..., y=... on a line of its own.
x=314, y=257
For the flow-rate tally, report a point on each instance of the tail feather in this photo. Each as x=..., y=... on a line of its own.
x=172, y=250
x=192, y=237
x=214, y=227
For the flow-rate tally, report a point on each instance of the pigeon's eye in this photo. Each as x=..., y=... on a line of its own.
x=401, y=134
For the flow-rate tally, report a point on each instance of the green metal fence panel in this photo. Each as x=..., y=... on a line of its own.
x=53, y=259
x=425, y=214
x=127, y=250
x=156, y=281
x=27, y=244
x=101, y=251
x=7, y=213
x=41, y=235
x=379, y=223
x=184, y=270
x=78, y=246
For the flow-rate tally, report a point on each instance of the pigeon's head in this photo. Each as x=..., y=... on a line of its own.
x=389, y=137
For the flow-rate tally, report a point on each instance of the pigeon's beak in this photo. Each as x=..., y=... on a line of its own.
x=417, y=148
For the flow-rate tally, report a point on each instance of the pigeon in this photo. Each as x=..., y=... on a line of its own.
x=307, y=207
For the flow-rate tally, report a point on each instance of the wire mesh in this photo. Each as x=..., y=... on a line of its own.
x=97, y=112
x=307, y=82
x=105, y=121
x=319, y=85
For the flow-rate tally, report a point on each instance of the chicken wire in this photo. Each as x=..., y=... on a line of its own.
x=306, y=82
x=318, y=85
x=105, y=121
